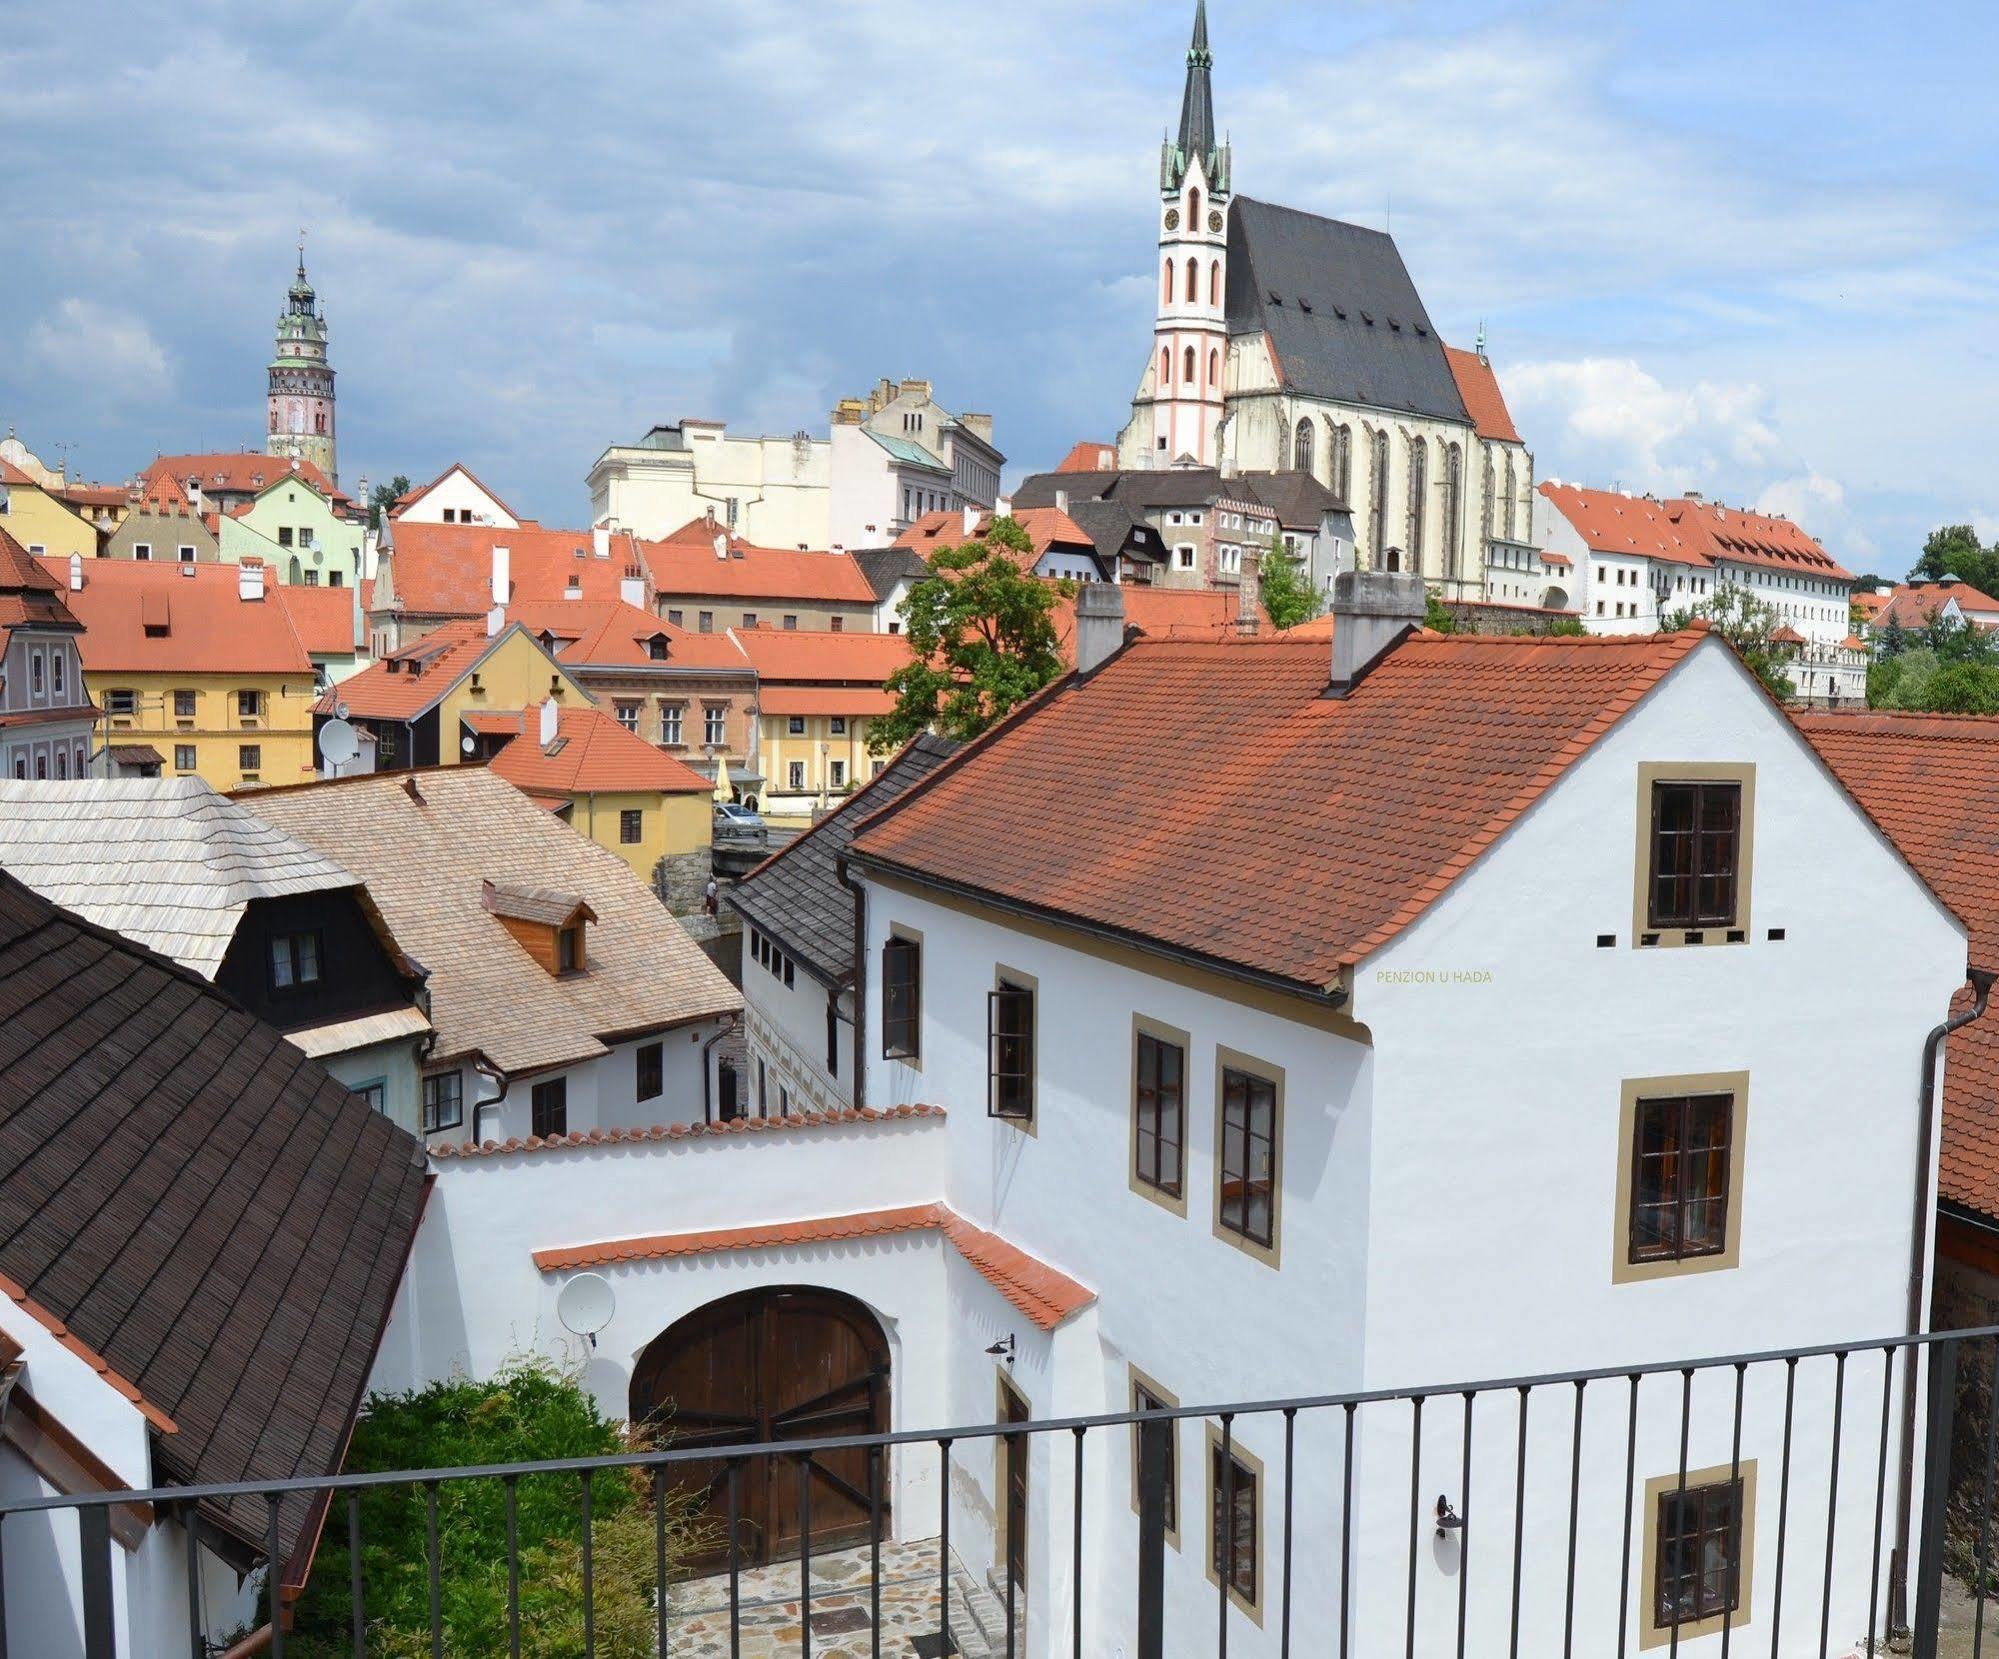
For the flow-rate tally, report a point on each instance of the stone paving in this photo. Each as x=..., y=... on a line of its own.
x=698, y=1610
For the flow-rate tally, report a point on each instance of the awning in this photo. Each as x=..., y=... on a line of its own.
x=341, y=1035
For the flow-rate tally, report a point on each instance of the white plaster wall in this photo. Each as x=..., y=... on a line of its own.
x=458, y=492
x=783, y=491
x=865, y=508
x=786, y=1028
x=394, y=1064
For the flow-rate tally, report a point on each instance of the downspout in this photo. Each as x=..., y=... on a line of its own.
x=1919, y=1255
x=860, y=979
x=485, y=1069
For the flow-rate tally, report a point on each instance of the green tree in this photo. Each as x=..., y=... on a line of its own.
x=529, y=1411
x=1749, y=624
x=384, y=496
x=1435, y=617
x=1288, y=594
x=981, y=637
x=1963, y=688
x=1953, y=550
x=1957, y=641
x=1894, y=639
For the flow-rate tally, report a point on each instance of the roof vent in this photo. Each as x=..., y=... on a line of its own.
x=410, y=789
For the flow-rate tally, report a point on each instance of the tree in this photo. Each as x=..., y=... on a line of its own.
x=1436, y=617
x=981, y=640
x=1749, y=624
x=1952, y=550
x=1288, y=594
x=384, y=496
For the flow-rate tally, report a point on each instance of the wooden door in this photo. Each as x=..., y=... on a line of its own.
x=765, y=1367
x=1013, y=1480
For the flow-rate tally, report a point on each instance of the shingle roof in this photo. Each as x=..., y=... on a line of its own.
x=1361, y=809
x=166, y=862
x=796, y=896
x=1343, y=317
x=196, y=1201
x=1484, y=402
x=1932, y=782
x=30, y=596
x=1298, y=499
x=592, y=753
x=198, y=622
x=406, y=682
x=885, y=566
x=684, y=563
x=424, y=860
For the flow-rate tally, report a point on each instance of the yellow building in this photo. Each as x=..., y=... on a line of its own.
x=39, y=521
x=817, y=696
x=197, y=668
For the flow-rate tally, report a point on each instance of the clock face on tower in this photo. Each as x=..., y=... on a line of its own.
x=1214, y=220
x=1172, y=218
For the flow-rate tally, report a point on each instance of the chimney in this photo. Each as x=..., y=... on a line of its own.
x=980, y=426
x=496, y=619
x=971, y=519
x=249, y=582
x=632, y=587
x=600, y=541
x=76, y=573
x=1061, y=501
x=1372, y=610
x=549, y=721
x=501, y=584
x=1099, y=624
x=1249, y=594
x=721, y=547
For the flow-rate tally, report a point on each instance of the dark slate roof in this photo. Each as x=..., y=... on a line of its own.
x=1298, y=499
x=1140, y=489
x=1341, y=312
x=883, y=567
x=200, y=1204
x=1115, y=530
x=795, y=895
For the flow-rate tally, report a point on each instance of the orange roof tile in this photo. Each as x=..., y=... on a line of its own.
x=208, y=628
x=1386, y=795
x=1484, y=402
x=30, y=594
x=592, y=754
x=1916, y=604
x=684, y=563
x=1164, y=613
x=447, y=569
x=404, y=683
x=1089, y=456
x=231, y=472
x=616, y=635
x=861, y=702
x=1040, y=1292
x=1046, y=527
x=1682, y=530
x=820, y=657
x=682, y=1131
x=323, y=618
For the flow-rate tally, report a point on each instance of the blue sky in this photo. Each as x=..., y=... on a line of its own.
x=1747, y=248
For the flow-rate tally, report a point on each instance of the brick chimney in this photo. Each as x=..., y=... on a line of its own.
x=249, y=582
x=1372, y=611
x=1249, y=594
x=1099, y=624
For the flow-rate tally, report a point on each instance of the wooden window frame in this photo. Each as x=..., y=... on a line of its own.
x=1649, y=933
x=1250, y=1605
x=1138, y=1384
x=1651, y=1632
x=649, y=1071
x=1735, y=1084
x=1009, y=985
x=545, y=1099
x=902, y=1034
x=1230, y=1060
x=1144, y=1030
x=289, y=943
x=425, y=1102
x=631, y=826
x=563, y=963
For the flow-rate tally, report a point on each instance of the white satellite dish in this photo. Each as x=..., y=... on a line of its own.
x=585, y=1305
x=467, y=745
x=337, y=743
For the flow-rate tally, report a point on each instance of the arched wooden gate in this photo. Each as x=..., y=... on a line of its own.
x=772, y=1365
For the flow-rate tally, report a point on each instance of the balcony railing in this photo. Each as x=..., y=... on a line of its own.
x=1544, y=1558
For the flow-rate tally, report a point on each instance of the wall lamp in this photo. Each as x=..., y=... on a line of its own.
x=1003, y=1349
x=1448, y=1519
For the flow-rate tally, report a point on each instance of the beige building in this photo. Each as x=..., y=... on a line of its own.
x=898, y=454
x=776, y=492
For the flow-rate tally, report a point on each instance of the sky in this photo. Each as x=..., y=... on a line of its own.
x=1748, y=248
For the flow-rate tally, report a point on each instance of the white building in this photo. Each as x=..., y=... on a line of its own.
x=774, y=492
x=899, y=454
x=455, y=496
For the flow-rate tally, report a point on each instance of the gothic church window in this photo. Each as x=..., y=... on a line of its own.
x=1377, y=484
x=1301, y=447
x=1168, y=296
x=1215, y=282
x=1485, y=501
x=1342, y=479
x=1188, y=365
x=1193, y=281
x=1454, y=490
x=1508, y=500
x=1419, y=476
x=1194, y=208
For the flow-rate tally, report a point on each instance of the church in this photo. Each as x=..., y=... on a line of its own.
x=1287, y=341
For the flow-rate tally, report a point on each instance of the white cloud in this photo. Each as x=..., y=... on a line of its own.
x=110, y=349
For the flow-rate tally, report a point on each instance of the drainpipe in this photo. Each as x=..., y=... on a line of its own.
x=729, y=1023
x=860, y=979
x=485, y=1069
x=1919, y=1255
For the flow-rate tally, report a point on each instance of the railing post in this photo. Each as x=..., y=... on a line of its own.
x=100, y=1634
x=1154, y=1447
x=1936, y=1493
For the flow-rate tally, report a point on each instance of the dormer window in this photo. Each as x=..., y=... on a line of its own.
x=549, y=925
x=656, y=647
x=569, y=948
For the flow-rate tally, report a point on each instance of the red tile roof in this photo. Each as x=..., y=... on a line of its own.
x=1046, y=527
x=322, y=617
x=1931, y=781
x=684, y=563
x=592, y=754
x=615, y=635
x=232, y=472
x=447, y=569
x=1089, y=456
x=1684, y=531
x=30, y=594
x=209, y=628
x=861, y=702
x=1916, y=604
x=1040, y=1292
x=810, y=656
x=1381, y=799
x=682, y=1131
x=401, y=685
x=1164, y=613
x=1484, y=402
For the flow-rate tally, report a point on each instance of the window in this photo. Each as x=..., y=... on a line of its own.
x=548, y=1108
x=1698, y=1529
x=902, y=998
x=712, y=731
x=1187, y=374
x=794, y=774
x=832, y=1037
x=791, y=622
x=1184, y=556
x=294, y=961
x=794, y=725
x=1166, y=287
x=1301, y=447
x=677, y=618
x=651, y=1062
x=375, y=1092
x=1159, y=1101
x=749, y=619
x=1010, y=1051
x=706, y=622
x=1377, y=484
x=249, y=704
x=185, y=554
x=569, y=949
x=628, y=716
x=670, y=717
x=836, y=774
x=1234, y=1493
x=1246, y=1112
x=837, y=625
x=183, y=705
x=249, y=758
x=142, y=550
x=183, y=757
x=443, y=1101
x=631, y=826
x=1696, y=839
x=837, y=725
x=284, y=535
x=1146, y=1395
x=1419, y=473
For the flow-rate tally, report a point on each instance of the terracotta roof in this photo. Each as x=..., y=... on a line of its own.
x=1036, y=1289
x=591, y=754
x=424, y=860
x=1785, y=634
x=815, y=656
x=1484, y=402
x=1915, y=604
x=231, y=472
x=323, y=618
x=1089, y=456
x=616, y=635
x=30, y=595
x=1046, y=527
x=1931, y=781
x=447, y=569
x=407, y=681
x=1382, y=798
x=682, y=1131
x=684, y=564
x=859, y=702
x=1681, y=530
x=1870, y=604
x=410, y=498
x=195, y=1203
x=209, y=628
x=1164, y=613
x=18, y=477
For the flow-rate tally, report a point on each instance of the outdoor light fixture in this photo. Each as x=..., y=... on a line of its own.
x=1003, y=1349
x=1448, y=1519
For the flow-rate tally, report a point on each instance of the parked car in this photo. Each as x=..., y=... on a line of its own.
x=734, y=822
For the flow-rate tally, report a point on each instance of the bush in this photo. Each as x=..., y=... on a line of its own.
x=1963, y=688
x=529, y=1411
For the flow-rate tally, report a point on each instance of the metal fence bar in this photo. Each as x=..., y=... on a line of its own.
x=100, y=1635
x=1155, y=1446
x=1734, y=1477
x=1984, y=1506
x=945, y=1645
x=1224, y=1539
x=1880, y=1498
x=513, y=1569
x=1624, y=1555
x=430, y=1557
x=1076, y=1555
x=1519, y=1523
x=1415, y=1527
x=1464, y=1530
x=659, y=1596
x=1346, y=1529
x=1290, y=1464
x=1783, y=1508
x=805, y=1555
x=875, y=1552
x=735, y=1563
x=1575, y=1508
x=273, y=1587
x=1832, y=1502
x=1680, y=1515
x=1936, y=1493
x=196, y=1638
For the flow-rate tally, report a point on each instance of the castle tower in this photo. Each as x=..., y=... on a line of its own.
x=301, y=382
x=1190, y=336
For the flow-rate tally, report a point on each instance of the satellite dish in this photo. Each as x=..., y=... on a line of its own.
x=337, y=743
x=585, y=1305
x=340, y=711
x=467, y=745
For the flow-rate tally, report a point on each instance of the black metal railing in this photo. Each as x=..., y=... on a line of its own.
x=1527, y=1490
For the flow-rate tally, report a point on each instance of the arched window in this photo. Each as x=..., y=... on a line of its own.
x=1193, y=213
x=1167, y=292
x=1377, y=489
x=1193, y=281
x=1342, y=479
x=1485, y=503
x=1214, y=368
x=1165, y=366
x=297, y=576
x=1506, y=501
x=1187, y=363
x=1454, y=501
x=1301, y=447
x=1215, y=282
x=1419, y=483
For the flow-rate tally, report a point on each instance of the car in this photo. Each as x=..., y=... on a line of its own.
x=736, y=822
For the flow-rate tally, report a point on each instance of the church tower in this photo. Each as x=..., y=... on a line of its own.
x=1190, y=337
x=301, y=382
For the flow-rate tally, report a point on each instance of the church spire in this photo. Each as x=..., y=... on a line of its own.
x=1197, y=103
